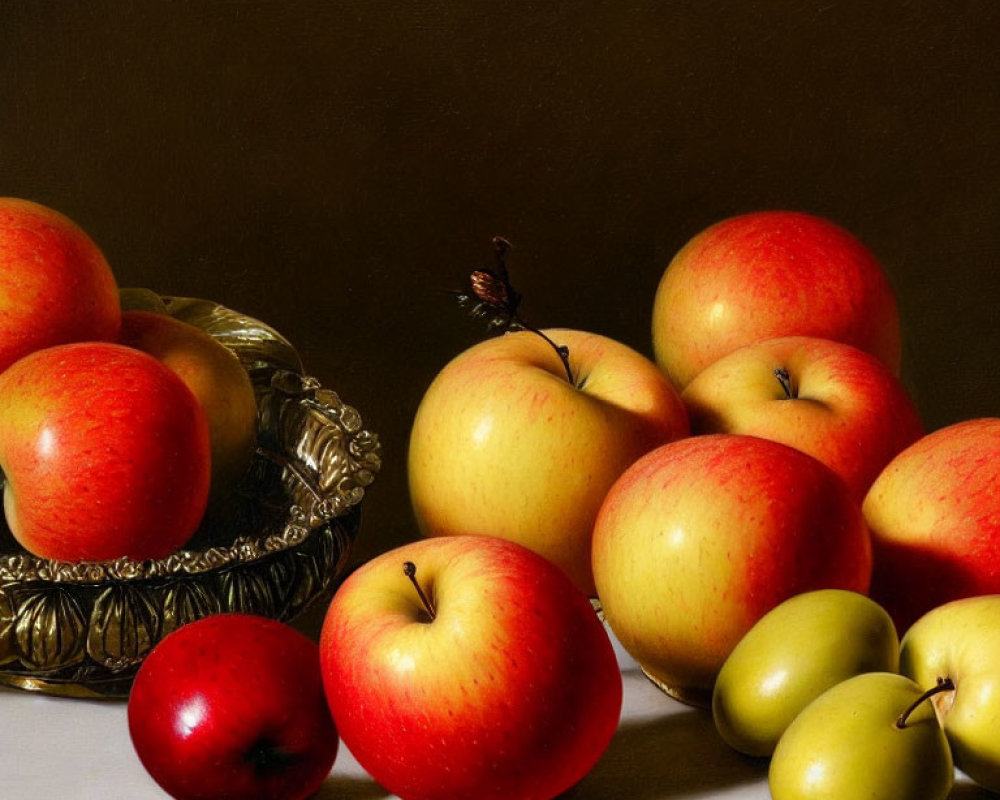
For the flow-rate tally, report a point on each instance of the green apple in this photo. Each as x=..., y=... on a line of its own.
x=873, y=736
x=794, y=653
x=960, y=641
x=504, y=444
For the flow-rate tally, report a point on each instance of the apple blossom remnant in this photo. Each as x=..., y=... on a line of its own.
x=492, y=296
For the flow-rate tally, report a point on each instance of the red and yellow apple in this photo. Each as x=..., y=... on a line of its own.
x=829, y=399
x=231, y=707
x=55, y=284
x=701, y=537
x=934, y=514
x=503, y=444
x=768, y=274
x=105, y=453
x=469, y=666
x=216, y=377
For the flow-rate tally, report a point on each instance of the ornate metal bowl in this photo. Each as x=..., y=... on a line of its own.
x=277, y=544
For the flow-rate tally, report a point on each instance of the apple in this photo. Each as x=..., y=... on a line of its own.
x=504, y=444
x=767, y=274
x=795, y=652
x=872, y=736
x=136, y=298
x=231, y=707
x=701, y=537
x=960, y=642
x=105, y=452
x=469, y=666
x=934, y=514
x=55, y=284
x=216, y=377
x=829, y=399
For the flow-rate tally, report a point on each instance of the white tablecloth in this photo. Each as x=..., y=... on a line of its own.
x=54, y=748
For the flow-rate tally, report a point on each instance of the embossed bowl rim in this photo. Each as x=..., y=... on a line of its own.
x=25, y=567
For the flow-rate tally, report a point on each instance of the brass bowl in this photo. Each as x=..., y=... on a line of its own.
x=277, y=544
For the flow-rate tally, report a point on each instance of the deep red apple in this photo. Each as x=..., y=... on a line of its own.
x=105, y=452
x=231, y=707
x=55, y=284
x=469, y=667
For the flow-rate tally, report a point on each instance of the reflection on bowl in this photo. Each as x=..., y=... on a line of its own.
x=278, y=543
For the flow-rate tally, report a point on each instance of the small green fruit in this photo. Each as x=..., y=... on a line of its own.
x=960, y=641
x=851, y=742
x=794, y=653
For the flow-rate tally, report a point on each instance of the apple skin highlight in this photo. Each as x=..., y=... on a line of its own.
x=701, y=537
x=232, y=706
x=105, y=453
x=512, y=692
x=504, y=445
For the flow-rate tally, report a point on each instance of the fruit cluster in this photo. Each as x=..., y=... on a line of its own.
x=117, y=428
x=823, y=686
x=756, y=512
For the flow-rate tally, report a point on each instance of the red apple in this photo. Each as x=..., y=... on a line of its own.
x=55, y=284
x=829, y=399
x=231, y=707
x=701, y=537
x=105, y=453
x=768, y=274
x=218, y=380
x=489, y=676
x=934, y=514
x=504, y=444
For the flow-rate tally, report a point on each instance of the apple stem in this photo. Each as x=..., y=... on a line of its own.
x=786, y=381
x=942, y=685
x=410, y=570
x=561, y=350
x=492, y=295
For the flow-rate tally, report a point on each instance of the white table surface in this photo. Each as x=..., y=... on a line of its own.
x=53, y=748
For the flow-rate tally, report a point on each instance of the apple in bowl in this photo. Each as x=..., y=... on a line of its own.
x=216, y=378
x=55, y=286
x=105, y=453
x=504, y=444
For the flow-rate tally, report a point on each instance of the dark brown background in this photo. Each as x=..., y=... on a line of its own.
x=334, y=168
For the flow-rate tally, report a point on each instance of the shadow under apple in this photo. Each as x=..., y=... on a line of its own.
x=679, y=755
x=970, y=791
x=910, y=579
x=343, y=787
